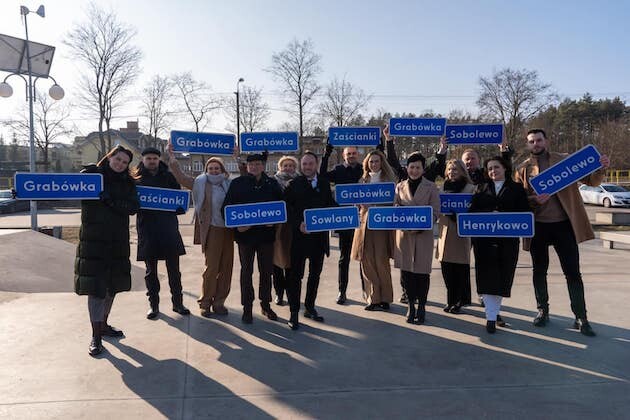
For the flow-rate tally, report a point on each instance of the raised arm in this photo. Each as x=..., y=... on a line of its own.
x=323, y=167
x=392, y=159
x=183, y=179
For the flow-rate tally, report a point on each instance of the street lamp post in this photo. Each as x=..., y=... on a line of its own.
x=56, y=92
x=238, y=110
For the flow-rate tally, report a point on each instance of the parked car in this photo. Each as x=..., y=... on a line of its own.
x=8, y=204
x=607, y=195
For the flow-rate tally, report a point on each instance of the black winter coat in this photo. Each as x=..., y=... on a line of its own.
x=245, y=190
x=496, y=258
x=158, y=231
x=102, y=262
x=300, y=195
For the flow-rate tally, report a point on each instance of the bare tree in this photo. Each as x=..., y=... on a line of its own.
x=155, y=97
x=195, y=96
x=343, y=101
x=50, y=118
x=254, y=111
x=104, y=45
x=296, y=69
x=513, y=97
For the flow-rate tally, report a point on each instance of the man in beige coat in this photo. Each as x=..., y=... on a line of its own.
x=560, y=221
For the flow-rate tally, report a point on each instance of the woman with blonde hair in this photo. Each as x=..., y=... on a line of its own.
x=453, y=252
x=217, y=241
x=287, y=171
x=374, y=248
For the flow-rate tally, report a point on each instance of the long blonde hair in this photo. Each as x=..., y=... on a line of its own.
x=387, y=173
x=461, y=167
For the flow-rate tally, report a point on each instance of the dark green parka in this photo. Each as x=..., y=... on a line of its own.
x=102, y=262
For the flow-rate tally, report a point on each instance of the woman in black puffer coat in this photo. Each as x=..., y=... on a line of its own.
x=102, y=267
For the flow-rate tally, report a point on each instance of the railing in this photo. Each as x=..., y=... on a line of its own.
x=618, y=176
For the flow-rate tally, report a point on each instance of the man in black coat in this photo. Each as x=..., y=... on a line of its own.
x=158, y=235
x=255, y=241
x=307, y=191
x=347, y=172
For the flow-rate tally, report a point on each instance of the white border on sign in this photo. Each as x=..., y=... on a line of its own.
x=401, y=207
x=363, y=184
x=558, y=164
x=473, y=125
x=166, y=189
x=495, y=213
x=230, y=153
x=297, y=143
x=354, y=127
x=389, y=125
x=56, y=173
x=284, y=205
x=331, y=208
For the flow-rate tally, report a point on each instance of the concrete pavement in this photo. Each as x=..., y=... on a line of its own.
x=357, y=364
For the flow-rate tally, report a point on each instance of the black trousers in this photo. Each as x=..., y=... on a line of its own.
x=345, y=246
x=264, y=258
x=457, y=280
x=416, y=286
x=299, y=255
x=174, y=279
x=280, y=278
x=559, y=235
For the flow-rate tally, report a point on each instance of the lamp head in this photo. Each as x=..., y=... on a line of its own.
x=241, y=80
x=56, y=92
x=41, y=11
x=5, y=90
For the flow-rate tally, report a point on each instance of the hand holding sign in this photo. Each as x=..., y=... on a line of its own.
x=605, y=161
x=386, y=132
x=443, y=145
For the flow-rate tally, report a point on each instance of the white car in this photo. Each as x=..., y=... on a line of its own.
x=607, y=195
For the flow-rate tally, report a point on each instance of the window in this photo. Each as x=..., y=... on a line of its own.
x=197, y=166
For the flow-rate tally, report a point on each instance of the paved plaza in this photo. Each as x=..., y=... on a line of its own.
x=357, y=364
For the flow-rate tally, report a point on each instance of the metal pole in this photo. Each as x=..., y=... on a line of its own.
x=31, y=126
x=238, y=116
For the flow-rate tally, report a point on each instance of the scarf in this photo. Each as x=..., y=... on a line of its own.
x=455, y=186
x=284, y=178
x=413, y=185
x=199, y=187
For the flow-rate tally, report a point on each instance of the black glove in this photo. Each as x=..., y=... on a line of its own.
x=106, y=198
x=265, y=155
x=13, y=193
x=329, y=149
x=180, y=210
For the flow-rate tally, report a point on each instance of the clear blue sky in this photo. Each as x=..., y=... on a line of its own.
x=411, y=55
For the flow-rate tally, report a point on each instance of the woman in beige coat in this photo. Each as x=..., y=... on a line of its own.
x=453, y=252
x=287, y=171
x=217, y=241
x=374, y=248
x=413, y=253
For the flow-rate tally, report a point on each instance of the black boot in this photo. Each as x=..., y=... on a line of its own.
x=411, y=313
x=96, y=345
x=268, y=312
x=542, y=318
x=420, y=314
x=178, y=305
x=247, y=317
x=584, y=327
x=293, y=323
x=153, y=311
x=491, y=327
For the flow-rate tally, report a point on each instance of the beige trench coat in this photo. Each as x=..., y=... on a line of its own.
x=414, y=249
x=451, y=247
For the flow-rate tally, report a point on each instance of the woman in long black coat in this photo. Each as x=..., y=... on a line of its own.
x=102, y=267
x=496, y=258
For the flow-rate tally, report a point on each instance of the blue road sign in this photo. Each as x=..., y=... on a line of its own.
x=331, y=218
x=474, y=133
x=203, y=143
x=400, y=218
x=166, y=199
x=377, y=193
x=496, y=224
x=265, y=213
x=354, y=136
x=271, y=141
x=451, y=203
x=569, y=170
x=48, y=186
x=417, y=127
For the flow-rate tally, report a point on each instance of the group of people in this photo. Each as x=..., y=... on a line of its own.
x=102, y=266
